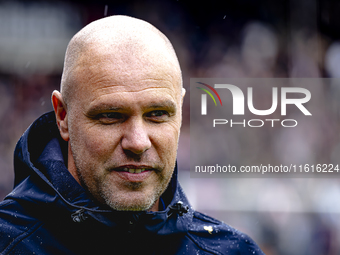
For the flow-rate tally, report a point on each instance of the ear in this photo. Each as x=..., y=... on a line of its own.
x=183, y=94
x=61, y=114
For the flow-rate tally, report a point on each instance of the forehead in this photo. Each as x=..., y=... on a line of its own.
x=99, y=74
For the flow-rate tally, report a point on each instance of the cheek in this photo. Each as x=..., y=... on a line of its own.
x=165, y=141
x=94, y=142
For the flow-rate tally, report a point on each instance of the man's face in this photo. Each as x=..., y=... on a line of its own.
x=124, y=123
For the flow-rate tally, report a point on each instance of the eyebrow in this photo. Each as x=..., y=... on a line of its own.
x=166, y=104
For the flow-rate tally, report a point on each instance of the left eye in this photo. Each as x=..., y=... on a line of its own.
x=158, y=115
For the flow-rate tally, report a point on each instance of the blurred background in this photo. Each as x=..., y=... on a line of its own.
x=233, y=39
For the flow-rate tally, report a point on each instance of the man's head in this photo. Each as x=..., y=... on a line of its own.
x=120, y=109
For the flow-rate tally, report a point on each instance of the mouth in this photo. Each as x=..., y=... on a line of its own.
x=135, y=170
x=132, y=173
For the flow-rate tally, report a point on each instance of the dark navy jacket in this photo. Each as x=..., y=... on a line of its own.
x=48, y=212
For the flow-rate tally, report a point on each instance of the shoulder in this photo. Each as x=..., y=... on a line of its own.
x=15, y=225
x=219, y=238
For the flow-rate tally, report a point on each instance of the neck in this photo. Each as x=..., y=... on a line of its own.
x=71, y=166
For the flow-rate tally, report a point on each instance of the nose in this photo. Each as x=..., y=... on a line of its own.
x=136, y=137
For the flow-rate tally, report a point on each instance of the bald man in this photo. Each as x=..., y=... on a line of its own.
x=98, y=175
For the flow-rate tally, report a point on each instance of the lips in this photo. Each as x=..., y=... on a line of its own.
x=134, y=170
x=134, y=173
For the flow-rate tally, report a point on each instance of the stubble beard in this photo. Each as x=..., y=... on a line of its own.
x=104, y=192
x=143, y=203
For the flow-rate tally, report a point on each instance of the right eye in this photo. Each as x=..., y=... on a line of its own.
x=110, y=117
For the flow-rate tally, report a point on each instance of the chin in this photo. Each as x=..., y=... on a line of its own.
x=130, y=202
x=132, y=206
